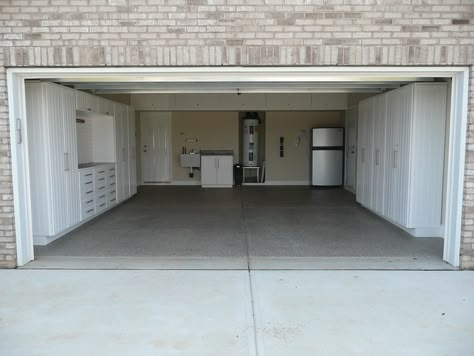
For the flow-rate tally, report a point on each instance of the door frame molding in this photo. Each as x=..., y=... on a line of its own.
x=170, y=151
x=266, y=75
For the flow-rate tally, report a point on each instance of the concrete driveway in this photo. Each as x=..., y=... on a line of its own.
x=74, y=312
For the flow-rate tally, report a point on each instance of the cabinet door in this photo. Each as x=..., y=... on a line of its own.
x=86, y=102
x=126, y=153
x=57, y=158
x=379, y=108
x=132, y=151
x=361, y=152
x=105, y=106
x=119, y=153
x=365, y=156
x=70, y=147
x=399, y=105
x=225, y=172
x=208, y=170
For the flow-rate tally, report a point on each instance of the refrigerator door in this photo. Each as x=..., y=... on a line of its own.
x=333, y=137
x=327, y=167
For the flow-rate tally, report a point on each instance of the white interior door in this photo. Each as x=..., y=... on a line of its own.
x=155, y=130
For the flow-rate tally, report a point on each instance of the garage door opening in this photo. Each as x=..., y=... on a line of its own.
x=133, y=172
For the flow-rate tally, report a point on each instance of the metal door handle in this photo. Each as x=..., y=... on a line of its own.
x=66, y=161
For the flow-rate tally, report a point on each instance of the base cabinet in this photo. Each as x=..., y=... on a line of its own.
x=217, y=171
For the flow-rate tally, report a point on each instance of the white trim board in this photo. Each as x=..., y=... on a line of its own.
x=268, y=75
x=288, y=182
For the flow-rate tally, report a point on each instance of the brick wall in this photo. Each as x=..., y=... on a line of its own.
x=225, y=32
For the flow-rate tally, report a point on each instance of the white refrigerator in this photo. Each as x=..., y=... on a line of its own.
x=327, y=156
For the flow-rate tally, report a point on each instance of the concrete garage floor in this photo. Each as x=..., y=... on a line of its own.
x=207, y=313
x=251, y=227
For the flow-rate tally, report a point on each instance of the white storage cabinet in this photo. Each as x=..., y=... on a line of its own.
x=217, y=171
x=86, y=101
x=51, y=120
x=401, y=156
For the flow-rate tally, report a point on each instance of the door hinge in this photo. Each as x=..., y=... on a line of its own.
x=18, y=132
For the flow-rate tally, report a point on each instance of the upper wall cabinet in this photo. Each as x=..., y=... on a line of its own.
x=196, y=101
x=245, y=101
x=105, y=106
x=331, y=101
x=86, y=102
x=289, y=101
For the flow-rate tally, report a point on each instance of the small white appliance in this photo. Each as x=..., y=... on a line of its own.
x=327, y=156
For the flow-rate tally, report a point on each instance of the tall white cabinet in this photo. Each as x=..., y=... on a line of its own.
x=125, y=146
x=52, y=149
x=400, y=167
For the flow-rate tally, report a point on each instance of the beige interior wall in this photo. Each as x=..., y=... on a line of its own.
x=295, y=165
x=213, y=130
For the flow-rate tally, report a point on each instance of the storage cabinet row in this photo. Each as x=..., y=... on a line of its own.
x=400, y=158
x=62, y=195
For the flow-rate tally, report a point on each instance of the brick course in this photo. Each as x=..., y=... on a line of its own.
x=232, y=32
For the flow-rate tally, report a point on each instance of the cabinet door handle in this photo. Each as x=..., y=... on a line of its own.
x=66, y=161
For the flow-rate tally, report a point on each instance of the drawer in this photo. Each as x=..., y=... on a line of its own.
x=100, y=172
x=87, y=208
x=100, y=181
x=101, y=203
x=86, y=175
x=87, y=186
x=87, y=203
x=111, y=180
x=100, y=190
x=87, y=193
x=111, y=198
x=87, y=213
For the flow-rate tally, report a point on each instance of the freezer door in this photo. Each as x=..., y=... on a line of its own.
x=327, y=167
x=328, y=137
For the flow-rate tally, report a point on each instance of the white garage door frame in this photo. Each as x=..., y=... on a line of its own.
x=267, y=75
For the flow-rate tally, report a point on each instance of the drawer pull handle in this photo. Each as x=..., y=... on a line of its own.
x=90, y=191
x=101, y=171
x=88, y=183
x=90, y=201
x=102, y=178
x=100, y=206
x=112, y=176
x=88, y=211
x=102, y=196
x=87, y=175
x=112, y=183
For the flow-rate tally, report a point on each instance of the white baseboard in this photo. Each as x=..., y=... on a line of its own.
x=349, y=189
x=185, y=182
x=287, y=182
x=437, y=231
